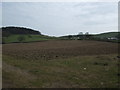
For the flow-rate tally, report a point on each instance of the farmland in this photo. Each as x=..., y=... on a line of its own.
x=61, y=64
x=26, y=38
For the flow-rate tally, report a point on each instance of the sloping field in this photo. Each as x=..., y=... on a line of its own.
x=61, y=64
x=26, y=38
x=107, y=35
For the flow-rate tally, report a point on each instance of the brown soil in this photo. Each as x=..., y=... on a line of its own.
x=58, y=49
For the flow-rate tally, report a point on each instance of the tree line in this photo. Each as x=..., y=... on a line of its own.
x=7, y=31
x=87, y=36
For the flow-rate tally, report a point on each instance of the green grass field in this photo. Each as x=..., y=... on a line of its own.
x=27, y=38
x=107, y=35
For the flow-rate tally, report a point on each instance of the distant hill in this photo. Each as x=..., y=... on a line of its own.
x=101, y=35
x=107, y=35
x=6, y=31
x=21, y=34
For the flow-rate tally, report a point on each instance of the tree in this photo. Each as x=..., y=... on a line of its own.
x=21, y=38
x=87, y=36
x=80, y=33
x=118, y=36
x=87, y=33
x=70, y=37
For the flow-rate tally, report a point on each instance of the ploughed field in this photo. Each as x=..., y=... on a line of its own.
x=61, y=63
x=58, y=49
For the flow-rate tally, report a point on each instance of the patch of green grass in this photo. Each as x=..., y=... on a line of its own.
x=73, y=72
x=27, y=38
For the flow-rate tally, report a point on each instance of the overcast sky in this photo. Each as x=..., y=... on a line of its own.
x=58, y=18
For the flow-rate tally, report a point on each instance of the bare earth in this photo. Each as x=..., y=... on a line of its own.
x=59, y=49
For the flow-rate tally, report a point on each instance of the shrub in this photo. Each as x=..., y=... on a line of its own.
x=21, y=38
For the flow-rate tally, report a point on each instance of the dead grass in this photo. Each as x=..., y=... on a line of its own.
x=63, y=72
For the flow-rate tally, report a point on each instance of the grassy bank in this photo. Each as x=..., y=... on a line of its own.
x=26, y=38
x=98, y=71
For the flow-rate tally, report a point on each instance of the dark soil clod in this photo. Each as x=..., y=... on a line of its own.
x=105, y=64
x=118, y=56
x=95, y=63
x=118, y=74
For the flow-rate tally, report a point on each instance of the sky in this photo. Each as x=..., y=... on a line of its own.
x=62, y=18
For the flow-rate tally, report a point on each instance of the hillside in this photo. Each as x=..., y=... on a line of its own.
x=21, y=34
x=26, y=38
x=107, y=35
x=7, y=31
x=101, y=35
